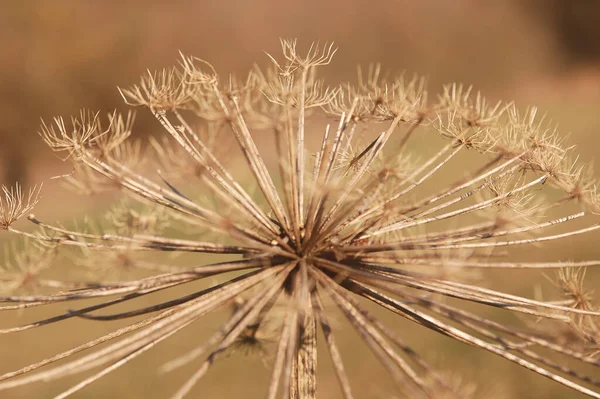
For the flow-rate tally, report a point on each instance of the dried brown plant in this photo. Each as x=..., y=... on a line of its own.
x=354, y=220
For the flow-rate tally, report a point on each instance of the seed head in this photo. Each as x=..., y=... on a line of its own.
x=14, y=204
x=346, y=196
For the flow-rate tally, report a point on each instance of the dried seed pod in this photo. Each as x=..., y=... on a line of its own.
x=384, y=212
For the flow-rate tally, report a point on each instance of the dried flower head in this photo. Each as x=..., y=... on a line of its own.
x=14, y=204
x=341, y=216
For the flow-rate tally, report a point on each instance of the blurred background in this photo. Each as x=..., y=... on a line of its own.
x=61, y=56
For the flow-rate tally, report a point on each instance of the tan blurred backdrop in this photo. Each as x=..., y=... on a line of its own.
x=60, y=56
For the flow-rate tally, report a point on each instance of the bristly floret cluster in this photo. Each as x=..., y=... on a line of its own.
x=377, y=206
x=14, y=204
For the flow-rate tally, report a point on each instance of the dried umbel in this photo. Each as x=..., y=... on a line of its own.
x=360, y=199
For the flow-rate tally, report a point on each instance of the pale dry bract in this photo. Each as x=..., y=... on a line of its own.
x=366, y=193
